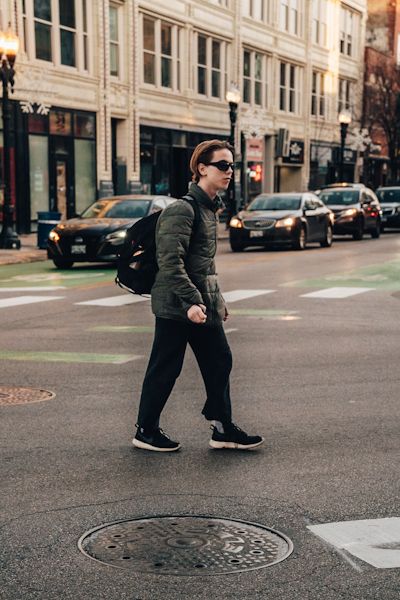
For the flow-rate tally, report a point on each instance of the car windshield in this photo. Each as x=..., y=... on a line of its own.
x=340, y=197
x=275, y=203
x=118, y=209
x=388, y=195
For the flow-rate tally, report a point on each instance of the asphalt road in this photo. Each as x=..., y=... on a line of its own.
x=317, y=376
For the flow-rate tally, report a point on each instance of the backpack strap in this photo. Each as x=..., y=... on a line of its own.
x=196, y=209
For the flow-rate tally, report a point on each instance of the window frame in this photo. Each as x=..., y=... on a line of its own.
x=349, y=24
x=344, y=94
x=318, y=94
x=291, y=94
x=290, y=17
x=81, y=64
x=252, y=80
x=209, y=68
x=175, y=57
x=320, y=23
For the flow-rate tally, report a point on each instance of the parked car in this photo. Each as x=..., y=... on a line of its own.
x=389, y=198
x=97, y=234
x=357, y=210
x=294, y=219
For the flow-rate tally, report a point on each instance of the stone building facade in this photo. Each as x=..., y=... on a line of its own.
x=111, y=96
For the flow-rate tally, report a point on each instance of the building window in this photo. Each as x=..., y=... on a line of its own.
x=211, y=66
x=289, y=16
x=319, y=24
x=63, y=23
x=161, y=48
x=289, y=87
x=349, y=27
x=43, y=25
x=255, y=90
x=345, y=94
x=260, y=10
x=24, y=25
x=318, y=94
x=114, y=40
x=67, y=32
x=85, y=36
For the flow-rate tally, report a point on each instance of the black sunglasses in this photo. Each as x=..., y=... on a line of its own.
x=222, y=165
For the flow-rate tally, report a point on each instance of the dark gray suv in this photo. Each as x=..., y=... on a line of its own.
x=389, y=198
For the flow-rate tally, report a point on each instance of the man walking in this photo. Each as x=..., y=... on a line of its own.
x=189, y=308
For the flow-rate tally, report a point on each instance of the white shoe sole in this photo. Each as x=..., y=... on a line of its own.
x=233, y=445
x=144, y=446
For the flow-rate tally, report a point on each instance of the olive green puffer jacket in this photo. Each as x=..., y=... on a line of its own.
x=186, y=265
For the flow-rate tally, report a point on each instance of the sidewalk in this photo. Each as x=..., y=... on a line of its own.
x=29, y=252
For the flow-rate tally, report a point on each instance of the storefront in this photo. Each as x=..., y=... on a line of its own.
x=164, y=159
x=288, y=174
x=53, y=163
x=325, y=165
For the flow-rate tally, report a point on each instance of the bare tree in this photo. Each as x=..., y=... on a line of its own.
x=382, y=109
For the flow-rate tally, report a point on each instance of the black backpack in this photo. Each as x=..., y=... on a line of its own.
x=136, y=261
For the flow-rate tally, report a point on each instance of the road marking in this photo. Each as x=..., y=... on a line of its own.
x=69, y=357
x=113, y=301
x=375, y=541
x=231, y=330
x=123, y=328
x=337, y=292
x=18, y=301
x=264, y=313
x=236, y=295
x=33, y=289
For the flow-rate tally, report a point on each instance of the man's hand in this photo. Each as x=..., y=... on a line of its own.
x=197, y=314
x=226, y=314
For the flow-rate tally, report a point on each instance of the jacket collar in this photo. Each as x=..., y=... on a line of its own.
x=200, y=195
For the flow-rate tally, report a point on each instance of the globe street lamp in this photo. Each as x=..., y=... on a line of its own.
x=344, y=120
x=233, y=98
x=9, y=45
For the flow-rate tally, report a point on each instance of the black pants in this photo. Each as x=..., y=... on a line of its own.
x=214, y=358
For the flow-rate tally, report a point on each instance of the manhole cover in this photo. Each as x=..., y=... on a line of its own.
x=20, y=395
x=179, y=545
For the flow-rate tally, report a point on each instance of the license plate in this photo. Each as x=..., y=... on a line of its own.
x=255, y=234
x=384, y=219
x=78, y=249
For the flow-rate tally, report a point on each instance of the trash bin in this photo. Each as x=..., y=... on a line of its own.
x=46, y=222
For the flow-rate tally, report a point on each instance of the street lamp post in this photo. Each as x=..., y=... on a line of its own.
x=233, y=98
x=9, y=44
x=344, y=120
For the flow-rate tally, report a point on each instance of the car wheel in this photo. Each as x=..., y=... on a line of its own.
x=375, y=233
x=358, y=234
x=237, y=247
x=327, y=241
x=301, y=241
x=63, y=263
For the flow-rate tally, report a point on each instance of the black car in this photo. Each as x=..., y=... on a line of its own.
x=280, y=218
x=97, y=234
x=357, y=210
x=389, y=198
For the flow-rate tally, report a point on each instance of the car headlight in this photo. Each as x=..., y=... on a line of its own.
x=350, y=212
x=288, y=222
x=398, y=209
x=53, y=236
x=236, y=223
x=116, y=238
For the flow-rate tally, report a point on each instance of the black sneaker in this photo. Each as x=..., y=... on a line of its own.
x=234, y=438
x=155, y=440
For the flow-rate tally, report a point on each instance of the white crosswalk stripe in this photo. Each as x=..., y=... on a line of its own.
x=337, y=292
x=20, y=300
x=236, y=295
x=33, y=289
x=113, y=301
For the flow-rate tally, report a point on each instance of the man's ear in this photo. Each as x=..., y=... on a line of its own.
x=202, y=169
